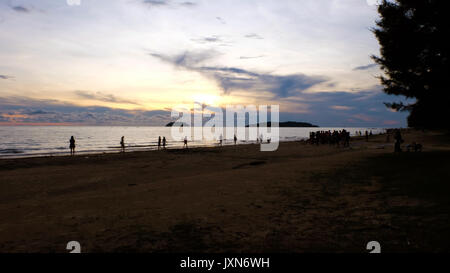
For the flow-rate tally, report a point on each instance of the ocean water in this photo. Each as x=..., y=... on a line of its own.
x=26, y=141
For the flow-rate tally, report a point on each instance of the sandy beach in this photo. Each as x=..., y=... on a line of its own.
x=301, y=198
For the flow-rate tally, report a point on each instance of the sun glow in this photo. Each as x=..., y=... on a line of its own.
x=207, y=99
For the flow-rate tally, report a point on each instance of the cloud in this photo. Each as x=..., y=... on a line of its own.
x=163, y=3
x=221, y=20
x=155, y=3
x=208, y=39
x=251, y=57
x=363, y=117
x=253, y=36
x=365, y=67
x=187, y=59
x=280, y=86
x=351, y=109
x=188, y=4
x=341, y=107
x=5, y=77
x=319, y=111
x=214, y=39
x=232, y=78
x=99, y=96
x=37, y=111
x=20, y=9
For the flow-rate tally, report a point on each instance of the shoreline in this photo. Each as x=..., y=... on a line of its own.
x=144, y=148
x=53, y=147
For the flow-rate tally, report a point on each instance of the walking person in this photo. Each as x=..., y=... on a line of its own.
x=164, y=142
x=72, y=145
x=122, y=144
x=159, y=142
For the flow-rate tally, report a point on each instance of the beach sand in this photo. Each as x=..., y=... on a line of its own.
x=301, y=198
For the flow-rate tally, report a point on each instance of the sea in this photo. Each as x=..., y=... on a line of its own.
x=33, y=141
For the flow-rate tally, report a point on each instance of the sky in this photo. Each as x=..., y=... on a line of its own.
x=128, y=62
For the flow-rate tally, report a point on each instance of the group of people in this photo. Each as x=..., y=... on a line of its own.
x=332, y=138
x=338, y=138
x=161, y=143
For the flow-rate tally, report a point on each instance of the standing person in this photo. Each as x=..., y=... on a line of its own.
x=122, y=144
x=235, y=139
x=159, y=142
x=72, y=145
x=185, y=142
x=398, y=141
x=367, y=136
x=220, y=140
x=164, y=143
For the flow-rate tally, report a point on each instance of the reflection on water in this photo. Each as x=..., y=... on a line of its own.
x=20, y=141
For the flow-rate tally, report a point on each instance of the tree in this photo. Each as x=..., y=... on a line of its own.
x=414, y=40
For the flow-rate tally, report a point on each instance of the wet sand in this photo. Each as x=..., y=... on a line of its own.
x=301, y=198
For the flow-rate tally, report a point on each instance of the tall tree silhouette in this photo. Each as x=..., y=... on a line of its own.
x=414, y=39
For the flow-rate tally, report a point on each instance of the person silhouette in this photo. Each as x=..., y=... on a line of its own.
x=220, y=140
x=185, y=141
x=122, y=144
x=159, y=142
x=72, y=145
x=398, y=142
x=235, y=139
x=164, y=142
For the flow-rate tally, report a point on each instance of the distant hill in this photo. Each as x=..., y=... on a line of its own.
x=288, y=124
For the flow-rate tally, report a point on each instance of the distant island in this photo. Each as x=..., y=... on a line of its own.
x=268, y=124
x=173, y=123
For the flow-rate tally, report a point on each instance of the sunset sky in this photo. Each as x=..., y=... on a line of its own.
x=128, y=62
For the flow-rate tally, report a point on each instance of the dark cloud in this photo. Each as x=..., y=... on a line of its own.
x=361, y=109
x=280, y=86
x=38, y=112
x=20, y=9
x=5, y=77
x=365, y=67
x=28, y=110
x=188, y=58
x=349, y=109
x=254, y=36
x=232, y=78
x=99, y=96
